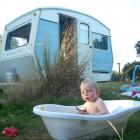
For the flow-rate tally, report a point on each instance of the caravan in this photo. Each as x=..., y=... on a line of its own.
x=22, y=56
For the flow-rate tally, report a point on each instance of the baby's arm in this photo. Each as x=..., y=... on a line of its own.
x=102, y=108
x=82, y=110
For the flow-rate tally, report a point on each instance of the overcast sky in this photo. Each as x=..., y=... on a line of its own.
x=121, y=16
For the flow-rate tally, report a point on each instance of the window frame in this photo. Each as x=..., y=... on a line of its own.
x=8, y=46
x=107, y=37
x=88, y=36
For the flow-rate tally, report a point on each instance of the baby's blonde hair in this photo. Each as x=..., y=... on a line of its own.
x=92, y=83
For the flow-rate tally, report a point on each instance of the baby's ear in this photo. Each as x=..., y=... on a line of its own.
x=98, y=91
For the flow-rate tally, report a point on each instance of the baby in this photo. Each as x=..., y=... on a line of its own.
x=93, y=105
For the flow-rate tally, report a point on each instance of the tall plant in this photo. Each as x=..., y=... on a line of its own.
x=64, y=75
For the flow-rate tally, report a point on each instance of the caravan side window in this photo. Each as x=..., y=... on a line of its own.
x=84, y=34
x=18, y=37
x=100, y=41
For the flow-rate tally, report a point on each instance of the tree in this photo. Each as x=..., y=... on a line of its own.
x=137, y=46
x=127, y=71
x=115, y=76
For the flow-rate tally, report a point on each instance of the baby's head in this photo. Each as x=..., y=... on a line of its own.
x=92, y=84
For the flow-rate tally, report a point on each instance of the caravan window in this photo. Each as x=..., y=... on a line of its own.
x=18, y=37
x=100, y=41
x=84, y=34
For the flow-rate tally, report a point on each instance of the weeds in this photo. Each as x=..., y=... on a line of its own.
x=63, y=77
x=24, y=92
x=115, y=130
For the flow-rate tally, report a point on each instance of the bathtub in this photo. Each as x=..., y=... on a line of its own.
x=63, y=123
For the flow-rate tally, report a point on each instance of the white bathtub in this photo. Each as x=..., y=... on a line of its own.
x=63, y=124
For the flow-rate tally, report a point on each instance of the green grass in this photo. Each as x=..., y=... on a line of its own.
x=22, y=118
x=31, y=126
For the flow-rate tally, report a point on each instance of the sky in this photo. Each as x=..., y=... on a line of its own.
x=122, y=17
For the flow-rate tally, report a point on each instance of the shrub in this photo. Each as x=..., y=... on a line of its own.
x=62, y=77
x=24, y=92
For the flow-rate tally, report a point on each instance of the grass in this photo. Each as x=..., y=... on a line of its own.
x=31, y=126
x=22, y=118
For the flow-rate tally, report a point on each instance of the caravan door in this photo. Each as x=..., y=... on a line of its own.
x=102, y=59
x=84, y=47
x=47, y=43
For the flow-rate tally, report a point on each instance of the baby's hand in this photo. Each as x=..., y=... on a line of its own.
x=81, y=111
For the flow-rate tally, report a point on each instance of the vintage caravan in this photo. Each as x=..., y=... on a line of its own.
x=22, y=54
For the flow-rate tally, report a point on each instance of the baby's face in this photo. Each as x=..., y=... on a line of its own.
x=88, y=93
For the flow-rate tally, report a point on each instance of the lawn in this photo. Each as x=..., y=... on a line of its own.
x=31, y=126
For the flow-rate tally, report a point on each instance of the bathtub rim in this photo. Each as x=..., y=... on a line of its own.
x=129, y=111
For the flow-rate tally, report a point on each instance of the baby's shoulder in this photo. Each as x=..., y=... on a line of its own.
x=99, y=100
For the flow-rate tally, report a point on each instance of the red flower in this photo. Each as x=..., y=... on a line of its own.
x=10, y=132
